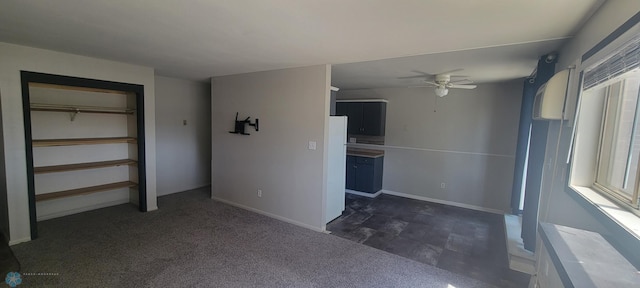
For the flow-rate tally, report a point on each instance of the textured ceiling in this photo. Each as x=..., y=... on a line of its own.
x=196, y=39
x=480, y=65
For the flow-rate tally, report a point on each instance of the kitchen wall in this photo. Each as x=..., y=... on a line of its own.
x=13, y=59
x=293, y=108
x=466, y=140
x=183, y=151
x=558, y=203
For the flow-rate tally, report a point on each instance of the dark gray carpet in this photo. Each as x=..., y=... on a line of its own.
x=8, y=262
x=193, y=241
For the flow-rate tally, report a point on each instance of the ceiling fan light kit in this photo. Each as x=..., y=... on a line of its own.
x=441, y=81
x=441, y=91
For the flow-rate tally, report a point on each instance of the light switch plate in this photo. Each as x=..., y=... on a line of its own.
x=312, y=145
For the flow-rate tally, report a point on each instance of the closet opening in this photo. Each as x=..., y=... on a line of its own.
x=85, y=147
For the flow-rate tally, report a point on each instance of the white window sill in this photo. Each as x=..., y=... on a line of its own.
x=625, y=218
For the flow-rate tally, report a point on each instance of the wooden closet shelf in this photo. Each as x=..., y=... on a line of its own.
x=79, y=109
x=82, y=166
x=81, y=141
x=85, y=190
x=77, y=88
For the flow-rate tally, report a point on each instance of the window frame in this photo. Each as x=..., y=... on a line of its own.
x=582, y=155
x=608, y=190
x=616, y=218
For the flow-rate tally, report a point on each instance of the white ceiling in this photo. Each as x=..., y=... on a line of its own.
x=483, y=65
x=196, y=39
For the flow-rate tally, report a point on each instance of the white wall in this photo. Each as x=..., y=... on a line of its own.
x=557, y=205
x=13, y=59
x=184, y=151
x=293, y=108
x=468, y=142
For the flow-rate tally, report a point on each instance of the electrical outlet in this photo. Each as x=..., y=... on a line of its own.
x=312, y=145
x=259, y=193
x=443, y=185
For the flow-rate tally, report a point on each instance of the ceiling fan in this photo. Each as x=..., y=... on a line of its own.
x=442, y=82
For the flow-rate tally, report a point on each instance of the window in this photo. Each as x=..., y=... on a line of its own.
x=619, y=151
x=605, y=134
x=611, y=88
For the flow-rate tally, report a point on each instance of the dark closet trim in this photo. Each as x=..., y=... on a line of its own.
x=31, y=77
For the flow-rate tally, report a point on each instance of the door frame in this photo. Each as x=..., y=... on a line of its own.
x=27, y=77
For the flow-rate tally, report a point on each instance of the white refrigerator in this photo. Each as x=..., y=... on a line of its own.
x=336, y=175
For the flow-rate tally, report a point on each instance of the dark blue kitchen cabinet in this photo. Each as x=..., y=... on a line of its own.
x=365, y=118
x=353, y=111
x=373, y=118
x=364, y=174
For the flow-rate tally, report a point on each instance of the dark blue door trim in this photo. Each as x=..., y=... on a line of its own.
x=526, y=110
x=537, y=147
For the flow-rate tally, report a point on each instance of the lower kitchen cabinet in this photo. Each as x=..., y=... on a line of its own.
x=364, y=174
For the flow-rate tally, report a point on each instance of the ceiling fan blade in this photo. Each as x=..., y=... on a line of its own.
x=462, y=81
x=451, y=71
x=422, y=75
x=426, y=84
x=462, y=86
x=458, y=76
x=432, y=83
x=413, y=77
x=420, y=72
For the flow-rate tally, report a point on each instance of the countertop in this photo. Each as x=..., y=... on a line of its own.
x=361, y=152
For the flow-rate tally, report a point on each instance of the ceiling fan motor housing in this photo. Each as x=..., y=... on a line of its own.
x=443, y=78
x=443, y=81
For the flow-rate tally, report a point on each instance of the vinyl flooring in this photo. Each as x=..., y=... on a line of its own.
x=463, y=241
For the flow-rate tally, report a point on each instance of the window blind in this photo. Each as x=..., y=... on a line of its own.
x=621, y=61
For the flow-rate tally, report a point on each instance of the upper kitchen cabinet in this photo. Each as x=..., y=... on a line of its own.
x=366, y=117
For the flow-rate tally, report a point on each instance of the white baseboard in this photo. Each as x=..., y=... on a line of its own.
x=82, y=209
x=199, y=186
x=515, y=246
x=364, y=194
x=519, y=258
x=271, y=215
x=18, y=241
x=450, y=203
x=522, y=265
